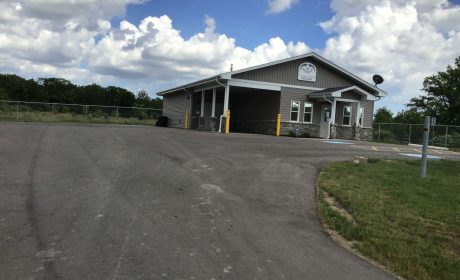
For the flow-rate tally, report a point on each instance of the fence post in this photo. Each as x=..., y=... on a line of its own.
x=410, y=132
x=378, y=137
x=86, y=110
x=445, y=142
x=426, y=135
x=17, y=111
x=52, y=108
x=117, y=116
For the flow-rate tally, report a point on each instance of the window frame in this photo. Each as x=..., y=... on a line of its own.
x=298, y=111
x=311, y=112
x=349, y=116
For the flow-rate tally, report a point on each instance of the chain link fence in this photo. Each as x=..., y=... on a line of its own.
x=78, y=113
x=447, y=136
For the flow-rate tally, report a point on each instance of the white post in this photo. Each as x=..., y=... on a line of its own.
x=334, y=106
x=357, y=113
x=202, y=104
x=227, y=93
x=213, y=112
x=426, y=135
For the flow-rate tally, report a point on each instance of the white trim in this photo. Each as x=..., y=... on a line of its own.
x=253, y=84
x=343, y=114
x=333, y=109
x=360, y=113
x=298, y=112
x=364, y=93
x=310, y=54
x=276, y=84
x=311, y=112
x=357, y=114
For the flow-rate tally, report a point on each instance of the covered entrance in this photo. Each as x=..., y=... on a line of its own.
x=253, y=110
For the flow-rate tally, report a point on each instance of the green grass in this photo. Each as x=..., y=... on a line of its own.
x=409, y=225
x=73, y=118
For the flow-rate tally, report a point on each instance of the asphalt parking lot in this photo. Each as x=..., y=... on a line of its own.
x=114, y=202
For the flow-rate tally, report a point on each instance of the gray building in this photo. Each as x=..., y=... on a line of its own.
x=314, y=97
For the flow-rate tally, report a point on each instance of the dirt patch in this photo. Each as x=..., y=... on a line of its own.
x=336, y=206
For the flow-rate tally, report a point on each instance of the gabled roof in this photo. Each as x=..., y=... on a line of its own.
x=228, y=75
x=336, y=92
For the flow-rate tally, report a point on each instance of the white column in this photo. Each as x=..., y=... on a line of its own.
x=333, y=109
x=227, y=93
x=213, y=112
x=202, y=104
x=357, y=113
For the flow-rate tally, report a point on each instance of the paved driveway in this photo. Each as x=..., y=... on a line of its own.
x=108, y=202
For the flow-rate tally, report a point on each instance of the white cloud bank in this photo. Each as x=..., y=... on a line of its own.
x=403, y=41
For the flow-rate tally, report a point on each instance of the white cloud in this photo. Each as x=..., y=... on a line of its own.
x=403, y=41
x=157, y=51
x=279, y=6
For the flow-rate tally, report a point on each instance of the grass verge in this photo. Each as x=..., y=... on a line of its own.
x=73, y=118
x=409, y=225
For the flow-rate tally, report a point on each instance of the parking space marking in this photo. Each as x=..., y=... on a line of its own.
x=419, y=156
x=398, y=150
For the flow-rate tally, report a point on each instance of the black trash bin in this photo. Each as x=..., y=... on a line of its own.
x=162, y=121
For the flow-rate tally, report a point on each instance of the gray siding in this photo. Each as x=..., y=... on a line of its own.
x=339, y=112
x=174, y=107
x=295, y=94
x=287, y=73
x=368, y=113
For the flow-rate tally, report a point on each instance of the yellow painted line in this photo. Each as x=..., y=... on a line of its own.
x=374, y=148
x=398, y=150
x=418, y=151
x=361, y=147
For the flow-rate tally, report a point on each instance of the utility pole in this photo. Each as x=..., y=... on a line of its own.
x=426, y=135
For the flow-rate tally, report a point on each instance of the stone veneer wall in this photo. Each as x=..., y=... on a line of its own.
x=363, y=133
x=300, y=129
x=351, y=132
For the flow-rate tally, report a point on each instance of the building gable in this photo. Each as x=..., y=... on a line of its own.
x=287, y=73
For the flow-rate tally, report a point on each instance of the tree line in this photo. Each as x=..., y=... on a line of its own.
x=57, y=90
x=442, y=100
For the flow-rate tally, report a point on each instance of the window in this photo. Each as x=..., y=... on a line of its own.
x=361, y=117
x=295, y=106
x=307, y=112
x=346, y=115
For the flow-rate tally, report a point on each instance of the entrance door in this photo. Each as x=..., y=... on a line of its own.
x=325, y=119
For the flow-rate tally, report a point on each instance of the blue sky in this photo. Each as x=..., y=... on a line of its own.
x=247, y=21
x=158, y=44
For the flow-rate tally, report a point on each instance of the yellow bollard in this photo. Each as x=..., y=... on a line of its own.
x=186, y=120
x=227, y=122
x=278, y=124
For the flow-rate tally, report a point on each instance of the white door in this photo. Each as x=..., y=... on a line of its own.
x=325, y=119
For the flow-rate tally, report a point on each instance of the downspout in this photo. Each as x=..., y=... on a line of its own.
x=330, y=121
x=223, y=113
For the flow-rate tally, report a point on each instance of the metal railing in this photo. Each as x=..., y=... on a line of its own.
x=447, y=136
x=82, y=113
